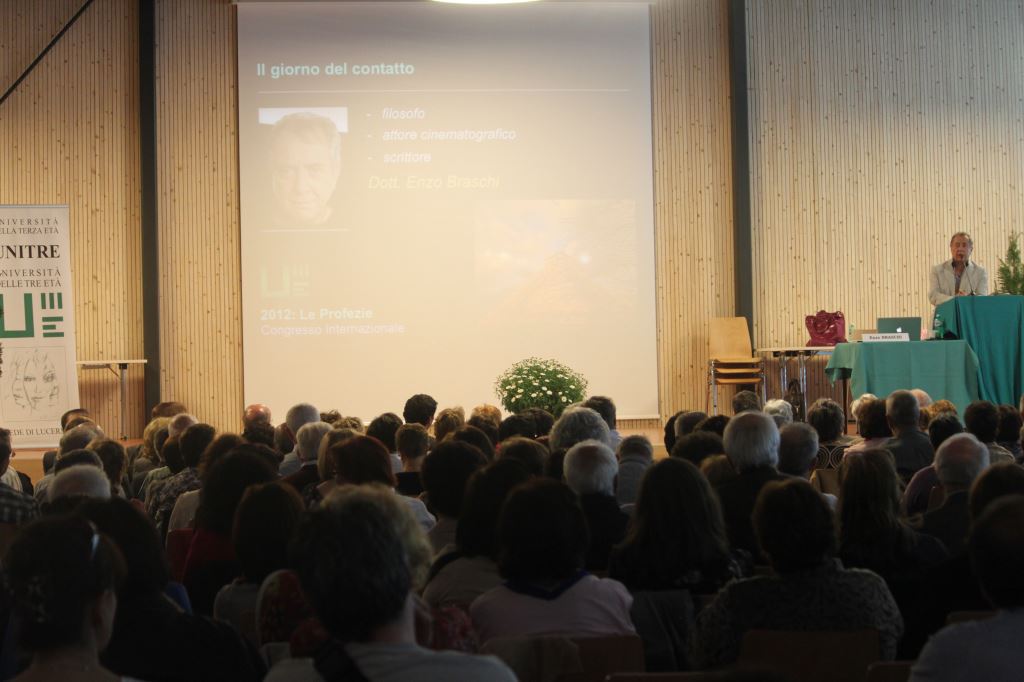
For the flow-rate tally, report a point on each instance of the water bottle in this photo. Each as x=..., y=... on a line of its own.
x=938, y=328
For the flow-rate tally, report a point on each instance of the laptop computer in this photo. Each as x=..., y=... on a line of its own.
x=897, y=325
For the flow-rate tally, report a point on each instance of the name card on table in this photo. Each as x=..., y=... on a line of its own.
x=901, y=336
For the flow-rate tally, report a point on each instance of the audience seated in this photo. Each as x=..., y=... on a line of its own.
x=685, y=424
x=827, y=418
x=780, y=410
x=477, y=438
x=959, y=461
x=606, y=408
x=307, y=446
x=469, y=568
x=326, y=466
x=491, y=413
x=147, y=456
x=80, y=480
x=669, y=431
x=112, y=455
x=530, y=453
x=543, y=421
x=752, y=446
x=986, y=649
x=420, y=409
x=256, y=413
x=746, y=401
x=413, y=443
x=191, y=443
x=695, y=447
x=910, y=447
x=635, y=455
x=184, y=513
x=809, y=590
x=873, y=426
x=918, y=490
x=360, y=557
x=448, y=420
x=446, y=470
x=576, y=425
x=1008, y=434
x=153, y=638
x=383, y=428
x=981, y=420
x=521, y=425
x=677, y=539
x=487, y=426
x=798, y=450
x=590, y=470
x=74, y=438
x=714, y=424
x=61, y=576
x=297, y=416
x=542, y=542
x=16, y=508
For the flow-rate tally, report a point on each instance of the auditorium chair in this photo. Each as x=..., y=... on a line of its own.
x=731, y=360
x=578, y=659
x=889, y=671
x=812, y=656
x=965, y=616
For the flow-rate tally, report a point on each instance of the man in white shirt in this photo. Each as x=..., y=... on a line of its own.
x=959, y=276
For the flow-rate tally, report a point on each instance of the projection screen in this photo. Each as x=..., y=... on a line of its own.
x=430, y=193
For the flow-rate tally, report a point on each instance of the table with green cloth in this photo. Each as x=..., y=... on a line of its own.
x=993, y=326
x=945, y=369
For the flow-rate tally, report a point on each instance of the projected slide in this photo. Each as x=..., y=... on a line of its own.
x=431, y=193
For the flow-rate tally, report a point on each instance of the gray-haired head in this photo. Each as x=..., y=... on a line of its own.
x=81, y=479
x=751, y=440
x=636, y=446
x=179, y=423
x=78, y=437
x=300, y=415
x=590, y=468
x=307, y=441
x=798, y=448
x=780, y=410
x=576, y=425
x=959, y=460
x=902, y=410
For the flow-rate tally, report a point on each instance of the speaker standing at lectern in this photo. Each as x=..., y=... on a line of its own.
x=959, y=276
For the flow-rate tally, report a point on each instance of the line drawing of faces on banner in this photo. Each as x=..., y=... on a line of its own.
x=33, y=384
x=304, y=159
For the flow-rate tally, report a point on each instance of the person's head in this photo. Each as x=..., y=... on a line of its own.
x=1009, y=424
x=798, y=448
x=959, y=461
x=716, y=423
x=996, y=548
x=940, y=407
x=745, y=401
x=362, y=459
x=193, y=441
x=923, y=399
x=960, y=247
x=869, y=495
x=530, y=453
x=827, y=418
x=305, y=159
x=486, y=491
x=542, y=533
x=226, y=481
x=999, y=480
x=330, y=417
x=860, y=401
x=492, y=413
x=516, y=425
x=412, y=442
x=485, y=425
x=264, y=523
x=61, y=576
x=168, y=409
x=677, y=523
x=981, y=419
x=872, y=421
x=112, y=455
x=717, y=469
x=420, y=409
x=6, y=449
x=257, y=413
x=474, y=436
x=259, y=432
x=358, y=556
x=171, y=453
x=902, y=411
x=49, y=460
x=150, y=448
x=543, y=421
x=697, y=446
x=445, y=472
x=794, y=525
x=73, y=414
x=75, y=458
x=686, y=423
x=941, y=427
x=669, y=431
x=81, y=480
x=326, y=467
x=298, y=416
x=590, y=468
x=448, y=420
x=134, y=534
x=307, y=440
x=179, y=423
x=635, y=446
x=604, y=407
x=78, y=438
x=751, y=440
x=576, y=425
x=780, y=410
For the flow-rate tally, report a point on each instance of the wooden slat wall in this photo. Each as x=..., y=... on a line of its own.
x=878, y=129
x=200, y=276
x=69, y=135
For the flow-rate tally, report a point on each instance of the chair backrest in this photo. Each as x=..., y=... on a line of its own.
x=965, y=616
x=729, y=338
x=665, y=622
x=826, y=481
x=602, y=656
x=889, y=671
x=812, y=656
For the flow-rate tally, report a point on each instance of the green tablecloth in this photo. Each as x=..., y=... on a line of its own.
x=945, y=369
x=993, y=326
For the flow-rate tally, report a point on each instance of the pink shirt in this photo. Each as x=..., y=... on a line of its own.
x=592, y=607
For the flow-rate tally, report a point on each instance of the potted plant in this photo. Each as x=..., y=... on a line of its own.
x=1011, y=270
x=539, y=382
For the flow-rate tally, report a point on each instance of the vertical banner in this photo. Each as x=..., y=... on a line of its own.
x=38, y=378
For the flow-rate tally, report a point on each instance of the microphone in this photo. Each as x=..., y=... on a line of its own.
x=967, y=264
